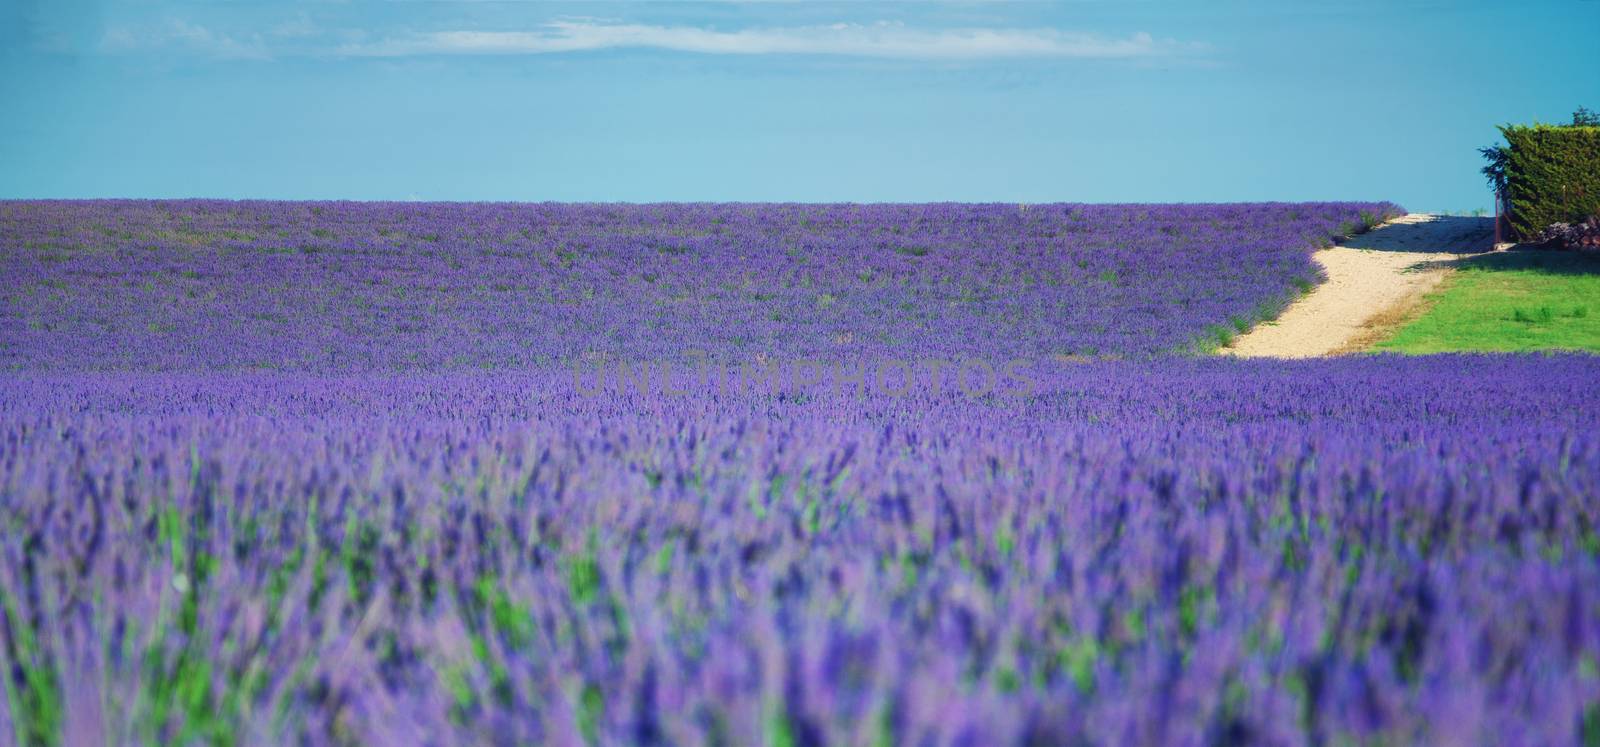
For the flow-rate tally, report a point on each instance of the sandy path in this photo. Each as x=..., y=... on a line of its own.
x=1374, y=281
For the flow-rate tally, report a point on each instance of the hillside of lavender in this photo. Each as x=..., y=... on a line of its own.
x=287, y=473
x=372, y=286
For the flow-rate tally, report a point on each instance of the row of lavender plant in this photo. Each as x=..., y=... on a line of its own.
x=1394, y=551
x=187, y=285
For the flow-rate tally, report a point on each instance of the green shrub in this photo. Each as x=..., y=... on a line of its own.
x=1552, y=175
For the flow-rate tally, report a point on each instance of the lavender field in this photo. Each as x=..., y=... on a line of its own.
x=337, y=287
x=284, y=473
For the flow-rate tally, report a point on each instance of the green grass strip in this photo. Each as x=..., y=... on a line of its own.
x=1510, y=302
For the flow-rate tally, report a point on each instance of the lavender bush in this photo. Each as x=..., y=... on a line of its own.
x=1197, y=552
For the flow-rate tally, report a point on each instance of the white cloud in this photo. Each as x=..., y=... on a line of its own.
x=299, y=27
x=884, y=40
x=183, y=35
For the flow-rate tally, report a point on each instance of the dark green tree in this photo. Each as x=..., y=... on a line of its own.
x=1496, y=155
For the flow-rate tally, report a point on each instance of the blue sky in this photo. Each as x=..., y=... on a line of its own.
x=1137, y=100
